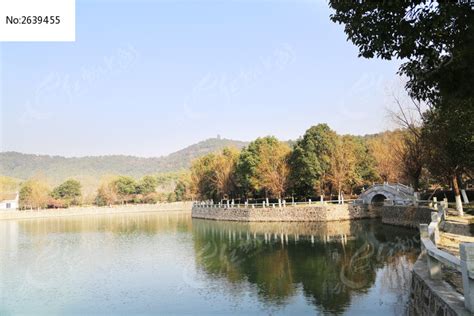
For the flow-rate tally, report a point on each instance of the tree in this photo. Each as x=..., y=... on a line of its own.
x=34, y=194
x=223, y=176
x=182, y=190
x=365, y=170
x=146, y=185
x=449, y=133
x=311, y=160
x=272, y=171
x=384, y=148
x=435, y=40
x=413, y=158
x=125, y=187
x=408, y=116
x=343, y=164
x=69, y=192
x=8, y=184
x=262, y=167
x=213, y=175
x=202, y=171
x=106, y=194
x=246, y=169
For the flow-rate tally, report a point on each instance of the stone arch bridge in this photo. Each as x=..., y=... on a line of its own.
x=379, y=192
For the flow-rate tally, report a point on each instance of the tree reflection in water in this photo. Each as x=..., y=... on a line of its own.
x=330, y=262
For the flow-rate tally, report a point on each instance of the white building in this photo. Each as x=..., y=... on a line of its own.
x=9, y=202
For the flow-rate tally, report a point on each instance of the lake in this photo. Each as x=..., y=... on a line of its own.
x=167, y=263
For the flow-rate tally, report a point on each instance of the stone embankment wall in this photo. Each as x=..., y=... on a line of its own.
x=432, y=297
x=95, y=210
x=408, y=216
x=307, y=213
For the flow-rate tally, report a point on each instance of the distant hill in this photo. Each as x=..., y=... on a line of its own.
x=57, y=168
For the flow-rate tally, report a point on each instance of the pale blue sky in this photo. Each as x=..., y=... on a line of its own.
x=150, y=77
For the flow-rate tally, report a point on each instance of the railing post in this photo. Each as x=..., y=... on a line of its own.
x=442, y=212
x=434, y=268
x=416, y=195
x=424, y=234
x=434, y=220
x=467, y=268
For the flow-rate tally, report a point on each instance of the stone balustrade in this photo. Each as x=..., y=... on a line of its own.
x=434, y=260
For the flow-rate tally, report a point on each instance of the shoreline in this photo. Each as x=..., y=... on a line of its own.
x=403, y=216
x=95, y=210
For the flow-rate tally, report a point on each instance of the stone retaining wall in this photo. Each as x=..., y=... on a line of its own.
x=95, y=210
x=308, y=213
x=432, y=297
x=407, y=216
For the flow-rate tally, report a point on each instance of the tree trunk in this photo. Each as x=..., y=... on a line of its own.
x=457, y=196
x=416, y=183
x=463, y=190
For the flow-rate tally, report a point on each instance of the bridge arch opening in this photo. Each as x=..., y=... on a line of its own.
x=378, y=199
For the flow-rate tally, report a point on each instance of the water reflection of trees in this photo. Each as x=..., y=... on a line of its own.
x=330, y=265
x=128, y=223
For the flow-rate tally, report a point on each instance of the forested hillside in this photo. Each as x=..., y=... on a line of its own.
x=57, y=168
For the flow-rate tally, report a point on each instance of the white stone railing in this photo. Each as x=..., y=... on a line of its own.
x=434, y=203
x=263, y=204
x=389, y=202
x=395, y=186
x=436, y=258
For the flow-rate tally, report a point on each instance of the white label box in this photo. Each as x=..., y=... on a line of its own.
x=37, y=20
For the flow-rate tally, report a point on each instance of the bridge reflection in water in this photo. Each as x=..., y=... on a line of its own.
x=330, y=263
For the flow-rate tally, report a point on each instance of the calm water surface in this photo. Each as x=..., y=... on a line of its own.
x=167, y=263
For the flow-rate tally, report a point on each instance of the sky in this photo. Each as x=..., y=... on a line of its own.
x=147, y=78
